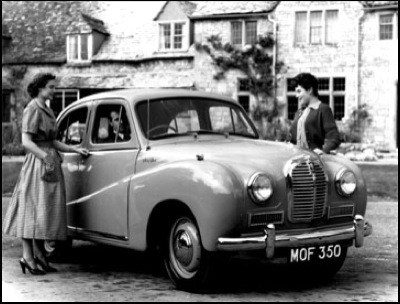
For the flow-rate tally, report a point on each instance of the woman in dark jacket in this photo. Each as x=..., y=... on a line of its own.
x=314, y=126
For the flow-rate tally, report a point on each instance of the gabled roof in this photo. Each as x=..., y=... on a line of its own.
x=38, y=29
x=187, y=7
x=95, y=24
x=220, y=8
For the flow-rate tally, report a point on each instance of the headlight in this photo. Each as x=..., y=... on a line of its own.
x=260, y=188
x=346, y=182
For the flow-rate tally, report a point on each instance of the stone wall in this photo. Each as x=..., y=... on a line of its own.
x=376, y=74
x=378, y=82
x=203, y=66
x=338, y=60
x=156, y=73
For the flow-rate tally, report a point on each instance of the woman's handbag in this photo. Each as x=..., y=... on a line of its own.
x=50, y=171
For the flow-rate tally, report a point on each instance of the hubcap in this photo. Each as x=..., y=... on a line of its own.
x=185, y=248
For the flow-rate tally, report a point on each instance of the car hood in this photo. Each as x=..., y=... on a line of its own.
x=245, y=155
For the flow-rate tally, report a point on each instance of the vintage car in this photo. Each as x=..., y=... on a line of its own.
x=184, y=173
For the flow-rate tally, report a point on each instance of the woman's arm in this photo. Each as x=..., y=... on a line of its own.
x=332, y=136
x=30, y=146
x=72, y=149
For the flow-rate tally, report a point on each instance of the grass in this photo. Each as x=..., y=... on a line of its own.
x=9, y=176
x=382, y=180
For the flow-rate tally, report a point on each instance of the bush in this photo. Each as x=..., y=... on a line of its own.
x=13, y=149
x=275, y=129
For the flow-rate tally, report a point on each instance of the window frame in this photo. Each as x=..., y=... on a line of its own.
x=89, y=45
x=244, y=31
x=86, y=106
x=133, y=143
x=324, y=11
x=185, y=35
x=63, y=91
x=241, y=93
x=395, y=23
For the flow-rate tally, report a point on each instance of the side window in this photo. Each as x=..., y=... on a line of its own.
x=221, y=119
x=240, y=124
x=72, y=128
x=185, y=122
x=111, y=125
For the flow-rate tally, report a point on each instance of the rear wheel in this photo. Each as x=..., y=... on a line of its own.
x=188, y=265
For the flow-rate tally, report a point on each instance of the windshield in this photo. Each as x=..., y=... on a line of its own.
x=183, y=116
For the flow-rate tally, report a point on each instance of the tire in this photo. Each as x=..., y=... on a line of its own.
x=188, y=265
x=326, y=269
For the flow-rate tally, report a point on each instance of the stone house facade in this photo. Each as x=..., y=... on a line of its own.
x=339, y=42
x=95, y=46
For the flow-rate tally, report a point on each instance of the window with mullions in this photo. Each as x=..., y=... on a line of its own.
x=244, y=94
x=172, y=36
x=316, y=27
x=62, y=99
x=386, y=26
x=243, y=32
x=79, y=47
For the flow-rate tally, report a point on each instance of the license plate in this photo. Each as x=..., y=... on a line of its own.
x=307, y=254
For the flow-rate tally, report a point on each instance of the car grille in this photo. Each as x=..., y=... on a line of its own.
x=309, y=192
x=263, y=219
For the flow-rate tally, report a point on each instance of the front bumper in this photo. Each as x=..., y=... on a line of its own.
x=270, y=240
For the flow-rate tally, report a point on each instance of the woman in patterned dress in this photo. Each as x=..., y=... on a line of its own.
x=37, y=210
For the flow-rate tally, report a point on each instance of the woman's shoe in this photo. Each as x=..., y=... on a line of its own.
x=34, y=271
x=45, y=267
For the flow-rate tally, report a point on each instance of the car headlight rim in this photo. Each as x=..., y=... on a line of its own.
x=260, y=188
x=346, y=182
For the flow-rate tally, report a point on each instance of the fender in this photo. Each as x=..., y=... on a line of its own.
x=211, y=191
x=335, y=163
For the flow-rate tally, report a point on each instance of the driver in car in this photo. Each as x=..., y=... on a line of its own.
x=118, y=130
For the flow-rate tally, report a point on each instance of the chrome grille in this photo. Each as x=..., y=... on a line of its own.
x=309, y=192
x=263, y=219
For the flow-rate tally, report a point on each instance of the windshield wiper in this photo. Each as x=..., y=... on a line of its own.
x=243, y=135
x=167, y=135
x=203, y=131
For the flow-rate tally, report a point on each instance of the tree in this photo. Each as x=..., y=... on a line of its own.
x=256, y=63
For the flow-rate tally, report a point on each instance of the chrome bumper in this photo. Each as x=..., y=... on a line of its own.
x=270, y=240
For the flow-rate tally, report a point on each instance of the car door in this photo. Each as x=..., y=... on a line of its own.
x=72, y=130
x=102, y=211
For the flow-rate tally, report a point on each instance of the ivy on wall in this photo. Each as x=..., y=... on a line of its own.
x=255, y=62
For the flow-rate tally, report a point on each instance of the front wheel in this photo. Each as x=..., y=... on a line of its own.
x=188, y=265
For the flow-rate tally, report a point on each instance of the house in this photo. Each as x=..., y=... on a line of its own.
x=352, y=48
x=102, y=45
x=95, y=46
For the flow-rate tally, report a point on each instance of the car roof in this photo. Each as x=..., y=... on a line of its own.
x=137, y=95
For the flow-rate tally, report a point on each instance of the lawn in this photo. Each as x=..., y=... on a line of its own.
x=381, y=180
x=9, y=176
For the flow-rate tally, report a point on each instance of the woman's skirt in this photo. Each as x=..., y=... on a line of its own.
x=37, y=208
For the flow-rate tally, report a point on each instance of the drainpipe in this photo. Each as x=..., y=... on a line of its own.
x=274, y=51
x=358, y=57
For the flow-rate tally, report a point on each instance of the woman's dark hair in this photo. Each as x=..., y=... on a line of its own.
x=39, y=81
x=307, y=81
